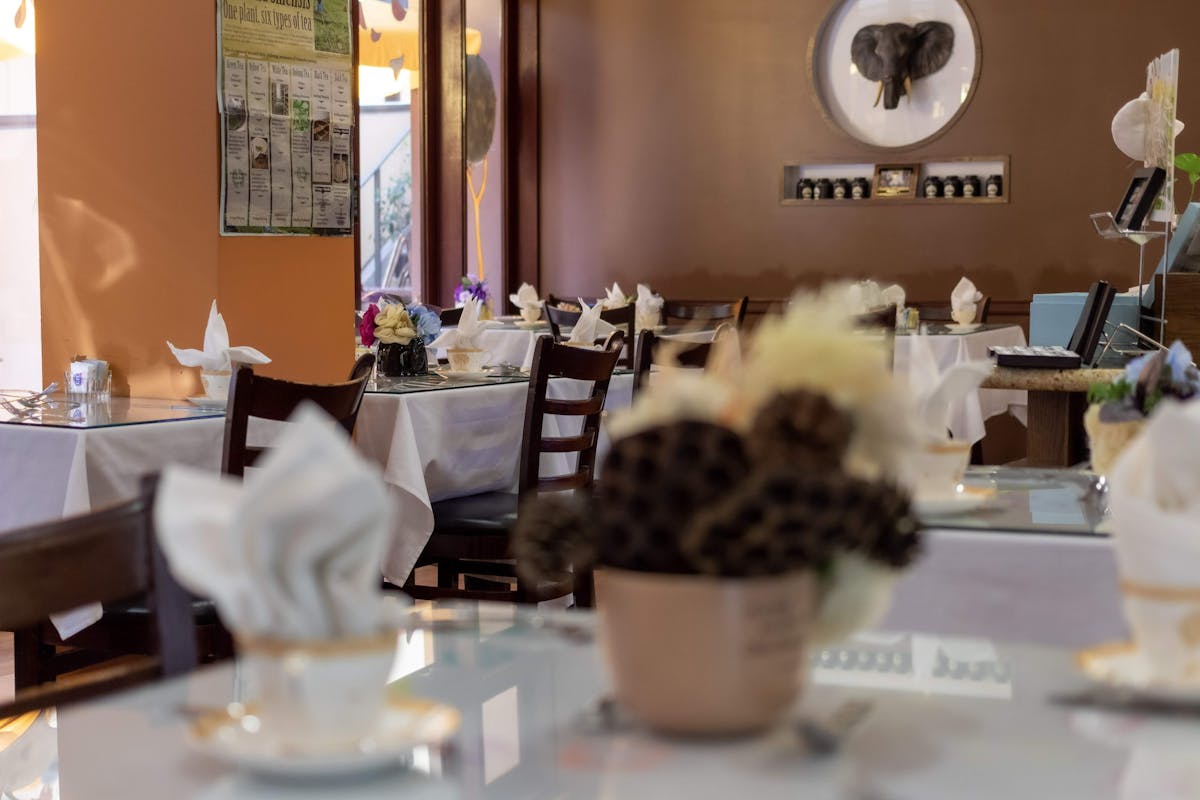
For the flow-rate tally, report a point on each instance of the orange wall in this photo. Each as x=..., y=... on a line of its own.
x=128, y=153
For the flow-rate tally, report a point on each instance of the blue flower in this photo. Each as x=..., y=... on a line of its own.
x=427, y=323
x=1179, y=359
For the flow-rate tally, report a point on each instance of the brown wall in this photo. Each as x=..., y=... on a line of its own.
x=128, y=195
x=665, y=125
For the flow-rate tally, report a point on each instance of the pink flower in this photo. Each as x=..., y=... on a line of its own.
x=366, y=328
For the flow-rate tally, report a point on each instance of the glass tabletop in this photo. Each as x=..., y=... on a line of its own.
x=945, y=329
x=442, y=379
x=57, y=411
x=1023, y=499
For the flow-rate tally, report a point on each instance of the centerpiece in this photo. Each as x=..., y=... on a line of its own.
x=476, y=289
x=1118, y=410
x=402, y=333
x=743, y=512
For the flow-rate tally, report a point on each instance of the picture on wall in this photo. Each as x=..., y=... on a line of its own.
x=895, y=180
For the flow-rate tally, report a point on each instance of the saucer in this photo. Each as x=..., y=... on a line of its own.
x=968, y=498
x=508, y=318
x=406, y=722
x=204, y=401
x=529, y=326
x=1120, y=665
x=957, y=328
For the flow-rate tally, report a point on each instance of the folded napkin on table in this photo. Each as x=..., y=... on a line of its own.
x=1154, y=496
x=217, y=354
x=589, y=327
x=647, y=309
x=292, y=552
x=615, y=299
x=863, y=296
x=893, y=296
x=935, y=391
x=465, y=336
x=965, y=296
x=526, y=299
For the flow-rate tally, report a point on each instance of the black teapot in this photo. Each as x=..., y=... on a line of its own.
x=398, y=360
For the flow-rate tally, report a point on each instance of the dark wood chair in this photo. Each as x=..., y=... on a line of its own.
x=688, y=355
x=707, y=311
x=450, y=316
x=108, y=556
x=471, y=534
x=620, y=318
x=883, y=321
x=362, y=367
x=256, y=396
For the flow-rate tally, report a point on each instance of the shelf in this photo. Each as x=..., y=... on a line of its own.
x=980, y=167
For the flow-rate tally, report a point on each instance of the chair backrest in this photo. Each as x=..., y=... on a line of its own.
x=621, y=318
x=553, y=360
x=450, y=316
x=707, y=310
x=363, y=367
x=253, y=395
x=106, y=556
x=882, y=320
x=689, y=355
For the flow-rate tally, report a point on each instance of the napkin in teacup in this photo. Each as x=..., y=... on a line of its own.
x=293, y=552
x=1155, y=503
x=965, y=297
x=527, y=302
x=936, y=391
x=863, y=296
x=893, y=296
x=615, y=298
x=465, y=336
x=217, y=354
x=647, y=309
x=589, y=327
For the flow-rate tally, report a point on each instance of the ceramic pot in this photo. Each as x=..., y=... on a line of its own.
x=395, y=360
x=697, y=655
x=1108, y=439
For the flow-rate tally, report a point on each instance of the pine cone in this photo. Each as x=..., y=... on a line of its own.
x=551, y=536
x=800, y=427
x=653, y=482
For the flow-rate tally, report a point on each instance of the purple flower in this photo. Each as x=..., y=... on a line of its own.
x=366, y=328
x=471, y=288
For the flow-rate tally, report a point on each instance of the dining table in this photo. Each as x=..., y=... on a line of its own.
x=935, y=716
x=445, y=435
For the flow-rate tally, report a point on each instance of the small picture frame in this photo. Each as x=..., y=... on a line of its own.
x=895, y=180
x=1139, y=198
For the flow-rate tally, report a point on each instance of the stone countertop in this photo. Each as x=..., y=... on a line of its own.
x=1049, y=380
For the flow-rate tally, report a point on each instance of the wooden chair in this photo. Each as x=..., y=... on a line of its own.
x=362, y=367
x=253, y=395
x=693, y=355
x=471, y=534
x=622, y=319
x=107, y=556
x=450, y=316
x=707, y=311
x=883, y=321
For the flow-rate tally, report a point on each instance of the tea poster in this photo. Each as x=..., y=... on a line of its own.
x=287, y=114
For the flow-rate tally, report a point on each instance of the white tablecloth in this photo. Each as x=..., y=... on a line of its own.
x=449, y=443
x=513, y=345
x=47, y=473
x=967, y=418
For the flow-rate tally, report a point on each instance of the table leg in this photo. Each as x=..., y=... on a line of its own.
x=1055, y=429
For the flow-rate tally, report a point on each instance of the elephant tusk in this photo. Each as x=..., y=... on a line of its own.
x=908, y=89
x=878, y=95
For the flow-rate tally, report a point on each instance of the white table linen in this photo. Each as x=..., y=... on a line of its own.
x=449, y=443
x=968, y=416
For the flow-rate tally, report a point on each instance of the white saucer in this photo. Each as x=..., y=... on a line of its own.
x=529, y=326
x=1122, y=666
x=971, y=326
x=204, y=401
x=405, y=723
x=508, y=317
x=968, y=498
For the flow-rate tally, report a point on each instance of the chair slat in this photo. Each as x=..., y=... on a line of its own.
x=574, y=408
x=567, y=444
x=563, y=483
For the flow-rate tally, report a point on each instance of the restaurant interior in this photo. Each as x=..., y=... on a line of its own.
x=599, y=398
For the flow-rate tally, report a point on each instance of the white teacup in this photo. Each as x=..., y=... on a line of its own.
x=937, y=468
x=216, y=384
x=466, y=359
x=318, y=695
x=963, y=316
x=531, y=314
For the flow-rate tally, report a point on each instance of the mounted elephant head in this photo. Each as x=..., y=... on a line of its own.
x=896, y=54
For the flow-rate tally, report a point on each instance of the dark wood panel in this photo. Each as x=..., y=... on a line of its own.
x=521, y=128
x=1183, y=309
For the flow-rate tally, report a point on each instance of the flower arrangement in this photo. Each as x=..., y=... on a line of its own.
x=787, y=458
x=471, y=287
x=394, y=323
x=1119, y=409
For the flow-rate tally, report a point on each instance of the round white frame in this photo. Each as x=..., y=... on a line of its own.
x=938, y=100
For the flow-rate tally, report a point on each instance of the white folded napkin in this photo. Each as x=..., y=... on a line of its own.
x=217, y=354
x=647, y=309
x=965, y=296
x=1155, y=502
x=936, y=391
x=294, y=551
x=589, y=327
x=615, y=299
x=465, y=336
x=863, y=296
x=526, y=297
x=893, y=296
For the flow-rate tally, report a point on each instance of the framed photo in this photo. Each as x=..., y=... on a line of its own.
x=1139, y=198
x=895, y=74
x=895, y=180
